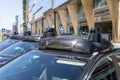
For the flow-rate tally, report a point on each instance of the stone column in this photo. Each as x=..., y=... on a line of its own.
x=114, y=8
x=63, y=18
x=57, y=23
x=88, y=10
x=50, y=21
x=45, y=24
x=38, y=26
x=73, y=11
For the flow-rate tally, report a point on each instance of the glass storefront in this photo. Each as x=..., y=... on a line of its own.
x=81, y=14
x=99, y=3
x=71, y=30
x=83, y=30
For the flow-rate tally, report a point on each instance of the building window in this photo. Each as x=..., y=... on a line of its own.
x=81, y=13
x=100, y=3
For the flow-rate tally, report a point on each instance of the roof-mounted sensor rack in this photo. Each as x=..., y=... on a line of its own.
x=17, y=36
x=32, y=38
x=93, y=43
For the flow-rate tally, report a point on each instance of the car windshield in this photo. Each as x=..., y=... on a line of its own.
x=36, y=65
x=19, y=48
x=7, y=43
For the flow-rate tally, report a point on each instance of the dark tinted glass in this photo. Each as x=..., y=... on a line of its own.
x=7, y=43
x=19, y=48
x=105, y=70
x=37, y=66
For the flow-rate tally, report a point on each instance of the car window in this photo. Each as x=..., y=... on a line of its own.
x=38, y=66
x=19, y=48
x=7, y=43
x=105, y=70
x=116, y=60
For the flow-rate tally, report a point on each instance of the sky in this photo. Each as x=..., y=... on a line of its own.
x=8, y=10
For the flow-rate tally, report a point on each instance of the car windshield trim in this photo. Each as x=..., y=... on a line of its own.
x=71, y=62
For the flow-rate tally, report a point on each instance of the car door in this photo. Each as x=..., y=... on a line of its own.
x=107, y=68
x=116, y=61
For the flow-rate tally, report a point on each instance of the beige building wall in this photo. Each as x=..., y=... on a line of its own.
x=46, y=25
x=88, y=7
x=57, y=24
x=63, y=18
x=50, y=20
x=73, y=12
x=114, y=8
x=38, y=26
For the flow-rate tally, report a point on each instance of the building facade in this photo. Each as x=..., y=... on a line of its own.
x=14, y=28
x=17, y=22
x=25, y=15
x=76, y=16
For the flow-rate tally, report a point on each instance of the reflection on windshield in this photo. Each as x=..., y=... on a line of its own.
x=36, y=66
x=7, y=43
x=19, y=48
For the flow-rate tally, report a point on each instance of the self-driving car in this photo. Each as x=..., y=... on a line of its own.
x=26, y=44
x=63, y=58
x=10, y=41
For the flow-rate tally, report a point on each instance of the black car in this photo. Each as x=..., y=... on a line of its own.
x=63, y=65
x=100, y=61
x=10, y=41
x=26, y=44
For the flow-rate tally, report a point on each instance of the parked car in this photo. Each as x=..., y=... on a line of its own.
x=80, y=60
x=26, y=44
x=10, y=41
